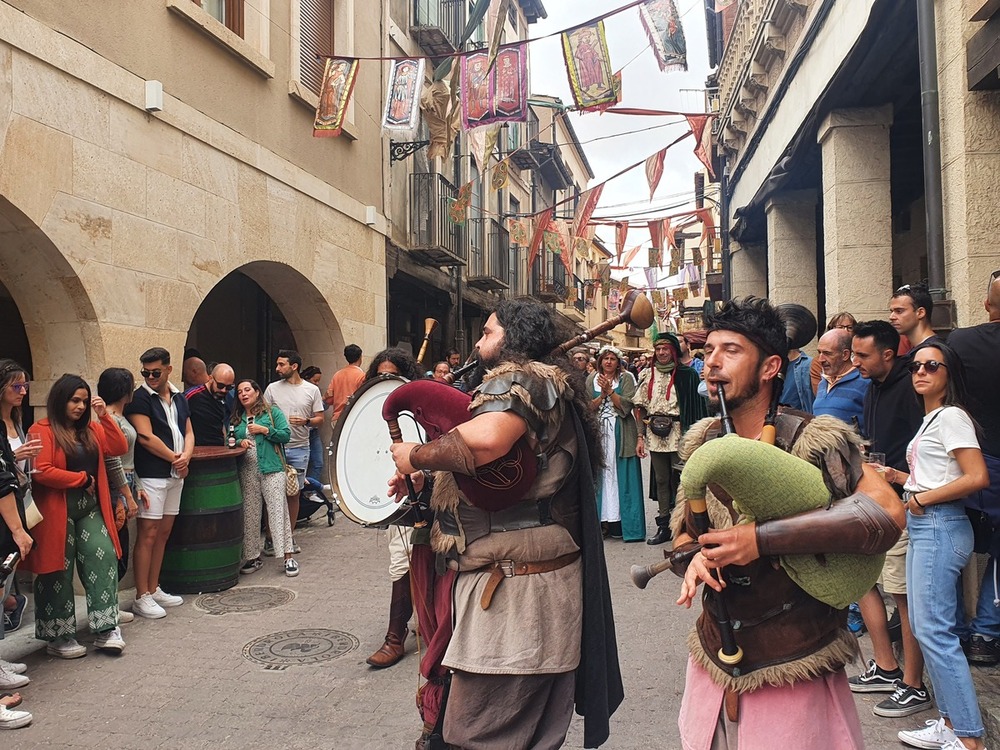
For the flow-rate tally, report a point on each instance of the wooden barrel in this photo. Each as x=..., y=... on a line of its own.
x=204, y=550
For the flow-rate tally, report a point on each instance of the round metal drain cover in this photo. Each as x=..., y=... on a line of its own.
x=244, y=599
x=291, y=648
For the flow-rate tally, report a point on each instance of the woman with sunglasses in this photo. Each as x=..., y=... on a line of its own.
x=946, y=465
x=71, y=490
x=262, y=430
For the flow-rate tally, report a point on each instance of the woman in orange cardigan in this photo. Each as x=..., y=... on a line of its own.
x=71, y=491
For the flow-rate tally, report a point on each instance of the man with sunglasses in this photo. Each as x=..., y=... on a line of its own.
x=163, y=448
x=979, y=349
x=209, y=406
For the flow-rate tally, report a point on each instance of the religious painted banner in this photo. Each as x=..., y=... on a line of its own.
x=402, y=99
x=497, y=94
x=339, y=77
x=585, y=50
x=666, y=35
x=614, y=297
x=655, y=253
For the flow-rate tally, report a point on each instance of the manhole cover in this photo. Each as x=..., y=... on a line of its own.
x=291, y=648
x=244, y=599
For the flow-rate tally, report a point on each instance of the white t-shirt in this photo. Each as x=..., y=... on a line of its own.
x=302, y=400
x=931, y=453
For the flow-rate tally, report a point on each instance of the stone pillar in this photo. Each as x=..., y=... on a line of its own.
x=791, y=248
x=857, y=211
x=748, y=270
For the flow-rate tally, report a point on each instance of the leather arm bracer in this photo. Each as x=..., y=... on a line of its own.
x=448, y=453
x=855, y=524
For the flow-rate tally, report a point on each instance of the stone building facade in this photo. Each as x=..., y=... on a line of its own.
x=217, y=221
x=820, y=129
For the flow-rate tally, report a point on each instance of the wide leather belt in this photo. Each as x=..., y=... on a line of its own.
x=509, y=568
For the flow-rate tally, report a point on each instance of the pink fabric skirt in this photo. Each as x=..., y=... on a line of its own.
x=817, y=714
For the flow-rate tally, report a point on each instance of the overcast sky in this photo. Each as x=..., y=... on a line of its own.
x=643, y=85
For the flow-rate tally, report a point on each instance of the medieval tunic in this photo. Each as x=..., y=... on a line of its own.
x=797, y=695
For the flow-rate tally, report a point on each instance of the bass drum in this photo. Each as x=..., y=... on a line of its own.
x=361, y=461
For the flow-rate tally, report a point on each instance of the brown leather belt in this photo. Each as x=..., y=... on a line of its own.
x=508, y=569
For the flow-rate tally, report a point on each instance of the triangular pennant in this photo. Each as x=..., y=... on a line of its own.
x=703, y=148
x=541, y=224
x=631, y=255
x=585, y=208
x=654, y=170
x=621, y=233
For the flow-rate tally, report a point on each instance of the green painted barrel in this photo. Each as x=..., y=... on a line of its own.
x=204, y=550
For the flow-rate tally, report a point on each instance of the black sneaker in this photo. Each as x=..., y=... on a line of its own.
x=12, y=619
x=251, y=566
x=875, y=679
x=905, y=701
x=985, y=651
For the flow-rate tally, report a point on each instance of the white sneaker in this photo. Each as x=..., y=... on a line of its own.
x=291, y=568
x=13, y=666
x=66, y=648
x=110, y=640
x=935, y=735
x=10, y=719
x=164, y=599
x=144, y=606
x=125, y=617
x=12, y=681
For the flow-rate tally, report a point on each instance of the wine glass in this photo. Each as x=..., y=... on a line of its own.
x=29, y=463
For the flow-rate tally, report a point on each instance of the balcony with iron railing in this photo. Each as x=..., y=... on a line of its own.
x=434, y=237
x=489, y=255
x=437, y=25
x=548, y=278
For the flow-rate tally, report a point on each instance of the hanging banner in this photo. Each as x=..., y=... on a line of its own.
x=402, y=98
x=497, y=94
x=492, y=134
x=500, y=176
x=518, y=229
x=497, y=14
x=441, y=117
x=616, y=82
x=654, y=170
x=621, y=233
x=669, y=234
x=666, y=35
x=541, y=224
x=339, y=77
x=651, y=274
x=630, y=256
x=614, y=297
x=702, y=139
x=655, y=254
x=585, y=50
x=656, y=237
x=458, y=211
x=585, y=208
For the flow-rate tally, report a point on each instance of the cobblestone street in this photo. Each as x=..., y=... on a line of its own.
x=188, y=681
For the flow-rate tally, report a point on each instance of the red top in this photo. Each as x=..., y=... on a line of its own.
x=49, y=485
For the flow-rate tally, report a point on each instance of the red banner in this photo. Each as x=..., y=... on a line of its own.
x=585, y=208
x=541, y=224
x=621, y=233
x=654, y=170
x=703, y=140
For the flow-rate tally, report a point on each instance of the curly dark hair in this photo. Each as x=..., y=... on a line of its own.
x=758, y=320
x=402, y=359
x=533, y=331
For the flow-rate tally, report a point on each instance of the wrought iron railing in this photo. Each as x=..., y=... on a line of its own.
x=446, y=15
x=489, y=251
x=431, y=227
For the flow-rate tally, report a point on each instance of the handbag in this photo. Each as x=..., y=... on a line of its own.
x=291, y=474
x=661, y=424
x=32, y=516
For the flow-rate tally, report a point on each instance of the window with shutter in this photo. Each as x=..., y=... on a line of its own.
x=316, y=37
x=228, y=12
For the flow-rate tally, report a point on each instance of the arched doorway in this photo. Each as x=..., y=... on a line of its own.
x=262, y=307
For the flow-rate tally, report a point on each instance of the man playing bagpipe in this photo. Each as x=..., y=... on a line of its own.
x=524, y=566
x=799, y=531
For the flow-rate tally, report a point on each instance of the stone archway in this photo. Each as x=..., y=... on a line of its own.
x=271, y=306
x=60, y=320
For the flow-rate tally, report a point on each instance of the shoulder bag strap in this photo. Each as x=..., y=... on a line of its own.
x=281, y=453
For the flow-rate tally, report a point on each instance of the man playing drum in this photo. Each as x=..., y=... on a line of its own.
x=789, y=689
x=533, y=627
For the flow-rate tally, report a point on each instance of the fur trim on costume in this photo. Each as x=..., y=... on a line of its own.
x=550, y=375
x=821, y=434
x=718, y=515
x=842, y=650
x=445, y=497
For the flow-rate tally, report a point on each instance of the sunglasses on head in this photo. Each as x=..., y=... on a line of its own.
x=150, y=373
x=930, y=365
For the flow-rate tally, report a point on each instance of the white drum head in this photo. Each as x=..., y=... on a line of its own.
x=362, y=458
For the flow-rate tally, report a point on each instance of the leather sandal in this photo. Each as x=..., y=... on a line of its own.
x=11, y=700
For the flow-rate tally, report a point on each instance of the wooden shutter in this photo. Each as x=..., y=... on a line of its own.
x=315, y=37
x=234, y=16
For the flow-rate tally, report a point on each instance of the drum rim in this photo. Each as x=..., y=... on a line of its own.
x=341, y=497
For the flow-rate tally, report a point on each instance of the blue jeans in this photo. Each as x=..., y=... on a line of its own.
x=315, y=468
x=298, y=459
x=987, y=619
x=940, y=545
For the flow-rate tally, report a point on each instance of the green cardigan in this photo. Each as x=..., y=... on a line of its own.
x=268, y=445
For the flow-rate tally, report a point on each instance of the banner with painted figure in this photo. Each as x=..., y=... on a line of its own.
x=497, y=94
x=402, y=99
x=666, y=35
x=585, y=50
x=339, y=77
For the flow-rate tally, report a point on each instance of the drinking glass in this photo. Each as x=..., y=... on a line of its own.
x=29, y=463
x=877, y=460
